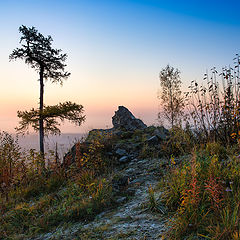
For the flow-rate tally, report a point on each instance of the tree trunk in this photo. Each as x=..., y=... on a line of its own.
x=41, y=128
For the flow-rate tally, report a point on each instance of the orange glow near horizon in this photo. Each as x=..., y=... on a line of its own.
x=96, y=117
x=100, y=99
x=99, y=106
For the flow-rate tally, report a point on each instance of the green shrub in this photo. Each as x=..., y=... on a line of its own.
x=54, y=182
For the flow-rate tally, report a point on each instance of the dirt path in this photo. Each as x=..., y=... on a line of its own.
x=131, y=219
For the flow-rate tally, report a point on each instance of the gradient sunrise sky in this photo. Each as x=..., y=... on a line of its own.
x=116, y=50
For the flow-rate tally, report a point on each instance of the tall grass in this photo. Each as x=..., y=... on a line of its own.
x=213, y=106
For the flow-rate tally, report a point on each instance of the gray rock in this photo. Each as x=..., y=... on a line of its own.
x=119, y=183
x=110, y=154
x=128, y=147
x=121, y=152
x=118, y=133
x=154, y=140
x=133, y=155
x=130, y=171
x=162, y=133
x=124, y=119
x=124, y=159
x=120, y=200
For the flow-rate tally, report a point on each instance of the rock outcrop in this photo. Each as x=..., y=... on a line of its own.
x=129, y=138
x=124, y=120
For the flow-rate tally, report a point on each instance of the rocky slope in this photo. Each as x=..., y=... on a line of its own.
x=138, y=168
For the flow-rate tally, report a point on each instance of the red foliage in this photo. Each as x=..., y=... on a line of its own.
x=215, y=190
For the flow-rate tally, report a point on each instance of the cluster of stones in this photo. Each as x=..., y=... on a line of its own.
x=124, y=124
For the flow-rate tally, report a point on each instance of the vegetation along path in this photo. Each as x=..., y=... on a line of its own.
x=132, y=219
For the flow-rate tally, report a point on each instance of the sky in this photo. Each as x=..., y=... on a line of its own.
x=116, y=50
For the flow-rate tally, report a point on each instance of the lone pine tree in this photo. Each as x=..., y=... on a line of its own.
x=36, y=50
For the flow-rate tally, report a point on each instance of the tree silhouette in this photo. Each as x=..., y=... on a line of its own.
x=36, y=50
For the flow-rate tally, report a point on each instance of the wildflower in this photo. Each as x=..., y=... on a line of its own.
x=172, y=160
x=214, y=189
x=233, y=135
x=228, y=189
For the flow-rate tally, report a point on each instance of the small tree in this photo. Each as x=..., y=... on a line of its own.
x=37, y=51
x=171, y=94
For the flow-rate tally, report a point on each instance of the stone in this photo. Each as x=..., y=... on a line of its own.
x=154, y=140
x=121, y=200
x=162, y=133
x=124, y=159
x=120, y=183
x=123, y=145
x=118, y=133
x=110, y=154
x=133, y=155
x=121, y=152
x=130, y=171
x=124, y=119
x=125, y=148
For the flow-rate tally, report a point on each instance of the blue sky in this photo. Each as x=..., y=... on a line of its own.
x=115, y=52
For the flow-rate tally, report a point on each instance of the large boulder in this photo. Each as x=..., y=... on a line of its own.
x=124, y=120
x=124, y=125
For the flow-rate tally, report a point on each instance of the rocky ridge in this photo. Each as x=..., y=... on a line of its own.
x=138, y=169
x=131, y=136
